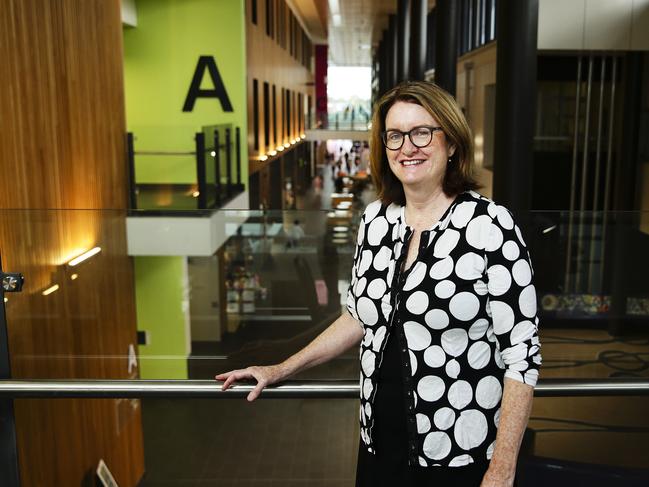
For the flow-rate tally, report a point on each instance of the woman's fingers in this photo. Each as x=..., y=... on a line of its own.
x=254, y=394
x=257, y=373
x=232, y=376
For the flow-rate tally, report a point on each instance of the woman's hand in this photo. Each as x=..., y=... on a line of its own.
x=264, y=376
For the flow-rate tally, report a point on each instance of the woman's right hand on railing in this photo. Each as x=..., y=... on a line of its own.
x=264, y=376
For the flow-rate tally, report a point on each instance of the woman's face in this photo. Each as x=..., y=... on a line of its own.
x=417, y=167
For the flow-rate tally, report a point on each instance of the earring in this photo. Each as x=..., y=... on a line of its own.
x=449, y=161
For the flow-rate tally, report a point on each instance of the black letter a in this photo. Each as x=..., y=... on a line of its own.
x=207, y=62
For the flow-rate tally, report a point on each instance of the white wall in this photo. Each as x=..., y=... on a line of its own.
x=594, y=25
x=129, y=13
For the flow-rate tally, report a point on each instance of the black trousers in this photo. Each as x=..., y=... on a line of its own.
x=371, y=471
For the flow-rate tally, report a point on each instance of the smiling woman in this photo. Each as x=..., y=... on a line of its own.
x=415, y=104
x=442, y=303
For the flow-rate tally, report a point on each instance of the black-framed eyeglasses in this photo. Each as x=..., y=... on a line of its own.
x=419, y=136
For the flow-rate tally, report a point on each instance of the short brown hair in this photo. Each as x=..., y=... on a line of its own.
x=445, y=110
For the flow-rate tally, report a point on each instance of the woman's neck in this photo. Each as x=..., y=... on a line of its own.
x=423, y=209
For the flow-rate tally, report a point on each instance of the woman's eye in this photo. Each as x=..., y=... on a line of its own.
x=394, y=136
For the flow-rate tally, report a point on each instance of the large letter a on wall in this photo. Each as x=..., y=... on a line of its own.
x=207, y=62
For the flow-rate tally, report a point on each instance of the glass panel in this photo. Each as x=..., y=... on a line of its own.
x=188, y=295
x=191, y=295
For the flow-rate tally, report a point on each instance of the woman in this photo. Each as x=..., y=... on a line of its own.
x=442, y=303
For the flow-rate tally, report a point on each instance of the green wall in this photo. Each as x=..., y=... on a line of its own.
x=163, y=312
x=160, y=57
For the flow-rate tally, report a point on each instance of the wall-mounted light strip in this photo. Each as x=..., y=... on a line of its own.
x=84, y=256
x=50, y=290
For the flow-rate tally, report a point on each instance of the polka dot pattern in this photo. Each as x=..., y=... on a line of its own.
x=431, y=388
x=466, y=313
x=470, y=429
x=437, y=445
x=444, y=418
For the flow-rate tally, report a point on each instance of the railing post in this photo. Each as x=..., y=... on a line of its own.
x=336, y=121
x=238, y=142
x=200, y=170
x=228, y=161
x=353, y=111
x=217, y=165
x=130, y=160
x=9, y=471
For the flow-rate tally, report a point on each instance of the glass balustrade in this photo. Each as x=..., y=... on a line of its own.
x=122, y=295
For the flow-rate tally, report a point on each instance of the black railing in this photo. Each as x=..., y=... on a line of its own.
x=207, y=192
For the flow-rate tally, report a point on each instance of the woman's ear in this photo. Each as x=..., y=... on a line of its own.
x=451, y=150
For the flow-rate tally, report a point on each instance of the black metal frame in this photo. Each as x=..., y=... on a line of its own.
x=223, y=192
x=201, y=173
x=9, y=471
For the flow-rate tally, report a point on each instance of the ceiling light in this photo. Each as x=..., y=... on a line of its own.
x=84, y=256
x=340, y=229
x=74, y=276
x=272, y=153
x=337, y=20
x=263, y=158
x=196, y=194
x=549, y=229
x=50, y=290
x=213, y=153
x=280, y=148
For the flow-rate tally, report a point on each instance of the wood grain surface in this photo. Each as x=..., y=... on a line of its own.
x=63, y=191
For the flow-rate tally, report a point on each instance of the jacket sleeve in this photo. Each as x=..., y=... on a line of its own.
x=512, y=297
x=351, y=296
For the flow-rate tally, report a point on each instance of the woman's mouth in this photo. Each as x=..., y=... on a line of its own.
x=412, y=162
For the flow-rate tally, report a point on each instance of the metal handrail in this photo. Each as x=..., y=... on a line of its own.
x=343, y=389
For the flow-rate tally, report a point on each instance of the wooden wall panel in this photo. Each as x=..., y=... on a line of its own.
x=62, y=129
x=268, y=60
x=62, y=104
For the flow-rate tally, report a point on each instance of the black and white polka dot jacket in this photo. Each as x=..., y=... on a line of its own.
x=465, y=317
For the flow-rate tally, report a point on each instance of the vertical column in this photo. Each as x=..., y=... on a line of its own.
x=625, y=232
x=446, y=34
x=321, y=84
x=418, y=28
x=404, y=12
x=392, y=51
x=515, y=103
x=380, y=64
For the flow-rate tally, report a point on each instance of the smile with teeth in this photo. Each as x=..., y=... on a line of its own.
x=413, y=162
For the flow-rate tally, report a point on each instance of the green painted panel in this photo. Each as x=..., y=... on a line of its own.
x=162, y=311
x=160, y=57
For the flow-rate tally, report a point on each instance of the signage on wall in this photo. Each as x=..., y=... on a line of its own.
x=207, y=63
